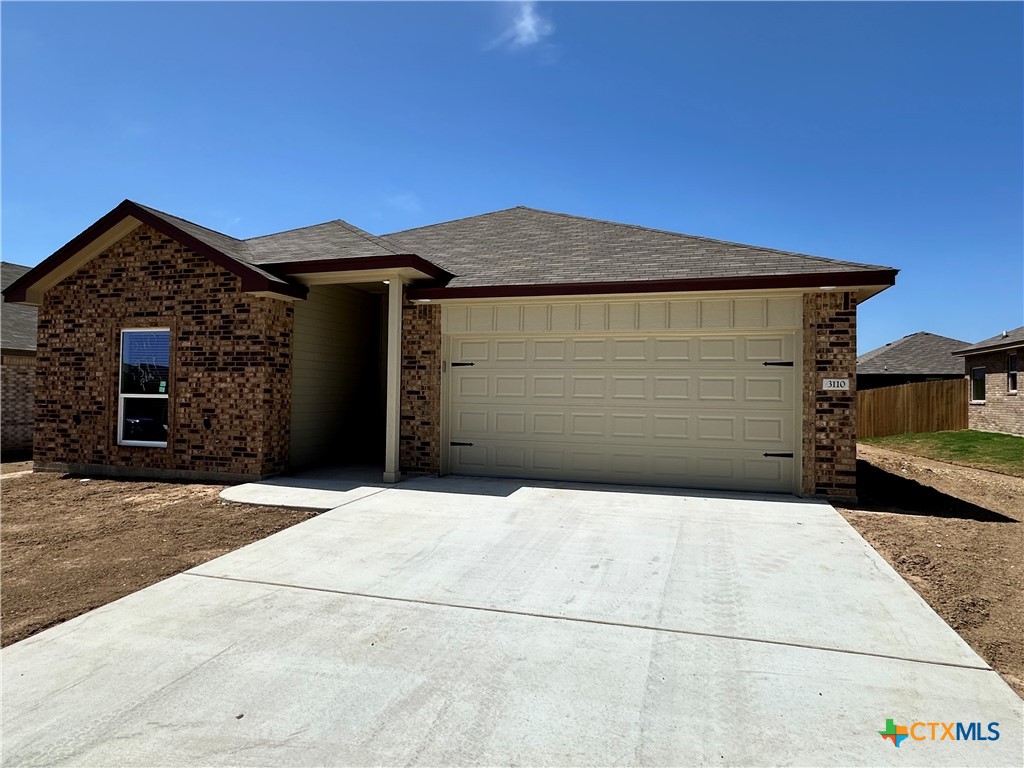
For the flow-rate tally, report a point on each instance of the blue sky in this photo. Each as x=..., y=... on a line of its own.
x=884, y=133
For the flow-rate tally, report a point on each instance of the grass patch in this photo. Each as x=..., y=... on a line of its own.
x=984, y=450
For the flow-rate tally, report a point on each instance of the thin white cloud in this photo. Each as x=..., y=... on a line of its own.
x=528, y=27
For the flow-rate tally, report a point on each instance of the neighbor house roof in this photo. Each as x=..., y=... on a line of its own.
x=517, y=251
x=17, y=323
x=1004, y=340
x=916, y=354
x=523, y=246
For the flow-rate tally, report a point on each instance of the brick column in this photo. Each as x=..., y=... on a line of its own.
x=420, y=446
x=829, y=418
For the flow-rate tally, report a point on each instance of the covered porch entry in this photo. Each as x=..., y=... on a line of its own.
x=346, y=366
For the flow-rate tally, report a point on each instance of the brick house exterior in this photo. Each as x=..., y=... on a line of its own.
x=230, y=357
x=1001, y=409
x=231, y=306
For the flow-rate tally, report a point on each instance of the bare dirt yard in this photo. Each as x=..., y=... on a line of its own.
x=956, y=535
x=68, y=545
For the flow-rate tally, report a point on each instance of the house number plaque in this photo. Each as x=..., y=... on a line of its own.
x=836, y=384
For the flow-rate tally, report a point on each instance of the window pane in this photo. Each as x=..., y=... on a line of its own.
x=977, y=383
x=144, y=418
x=1011, y=373
x=145, y=363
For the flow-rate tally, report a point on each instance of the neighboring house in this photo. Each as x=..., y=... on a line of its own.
x=920, y=356
x=993, y=367
x=520, y=343
x=17, y=369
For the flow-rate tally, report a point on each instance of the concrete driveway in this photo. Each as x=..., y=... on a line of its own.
x=456, y=621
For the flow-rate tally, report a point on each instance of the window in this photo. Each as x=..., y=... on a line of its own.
x=977, y=385
x=1011, y=372
x=145, y=372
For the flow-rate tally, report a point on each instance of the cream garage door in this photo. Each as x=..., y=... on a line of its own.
x=702, y=411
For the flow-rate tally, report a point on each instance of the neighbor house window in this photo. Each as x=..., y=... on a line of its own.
x=977, y=385
x=145, y=372
x=1011, y=372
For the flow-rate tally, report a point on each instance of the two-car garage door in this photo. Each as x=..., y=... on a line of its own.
x=697, y=409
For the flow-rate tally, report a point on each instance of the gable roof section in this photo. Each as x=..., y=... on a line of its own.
x=334, y=246
x=915, y=354
x=222, y=249
x=17, y=323
x=518, y=251
x=1004, y=340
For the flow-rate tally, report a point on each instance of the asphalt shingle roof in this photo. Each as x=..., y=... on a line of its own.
x=17, y=322
x=513, y=247
x=332, y=240
x=917, y=353
x=1005, y=339
x=523, y=246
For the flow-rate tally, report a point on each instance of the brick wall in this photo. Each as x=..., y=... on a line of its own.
x=1001, y=411
x=17, y=393
x=420, y=436
x=829, y=418
x=230, y=380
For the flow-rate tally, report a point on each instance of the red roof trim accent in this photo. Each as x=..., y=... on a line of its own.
x=873, y=277
x=251, y=281
x=398, y=261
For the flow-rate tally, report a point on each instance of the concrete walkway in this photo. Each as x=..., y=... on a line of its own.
x=456, y=621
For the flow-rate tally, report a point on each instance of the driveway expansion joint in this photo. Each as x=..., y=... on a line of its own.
x=598, y=622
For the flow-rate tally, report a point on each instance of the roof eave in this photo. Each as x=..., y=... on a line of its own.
x=416, y=266
x=1009, y=344
x=21, y=290
x=866, y=283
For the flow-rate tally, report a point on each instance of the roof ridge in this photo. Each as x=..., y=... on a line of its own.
x=452, y=221
x=368, y=236
x=291, y=229
x=151, y=209
x=699, y=237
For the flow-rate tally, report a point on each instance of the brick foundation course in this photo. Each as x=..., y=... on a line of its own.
x=230, y=380
x=829, y=418
x=1002, y=411
x=420, y=414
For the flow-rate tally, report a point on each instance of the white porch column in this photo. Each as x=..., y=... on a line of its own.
x=394, y=380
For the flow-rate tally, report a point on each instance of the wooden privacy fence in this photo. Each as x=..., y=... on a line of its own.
x=928, y=406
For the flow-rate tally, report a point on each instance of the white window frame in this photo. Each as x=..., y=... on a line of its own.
x=121, y=397
x=971, y=379
x=1011, y=370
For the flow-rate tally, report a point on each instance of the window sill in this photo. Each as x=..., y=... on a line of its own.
x=141, y=444
x=976, y=402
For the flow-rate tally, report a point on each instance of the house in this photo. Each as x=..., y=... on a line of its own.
x=17, y=369
x=519, y=343
x=992, y=367
x=920, y=356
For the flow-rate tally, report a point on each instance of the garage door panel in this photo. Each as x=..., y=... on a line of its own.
x=698, y=410
x=643, y=464
x=697, y=427
x=761, y=389
x=643, y=351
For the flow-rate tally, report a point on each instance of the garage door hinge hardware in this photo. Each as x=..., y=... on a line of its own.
x=456, y=443
x=459, y=365
x=788, y=364
x=779, y=455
